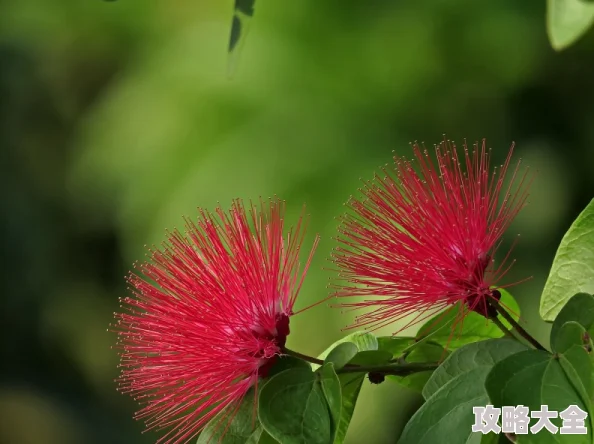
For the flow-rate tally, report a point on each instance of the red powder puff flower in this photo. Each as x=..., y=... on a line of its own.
x=209, y=316
x=423, y=237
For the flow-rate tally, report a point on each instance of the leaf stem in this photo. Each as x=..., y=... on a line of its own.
x=392, y=369
x=399, y=369
x=503, y=312
x=502, y=327
x=303, y=357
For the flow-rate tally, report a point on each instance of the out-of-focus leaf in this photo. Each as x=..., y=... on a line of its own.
x=567, y=21
x=243, y=12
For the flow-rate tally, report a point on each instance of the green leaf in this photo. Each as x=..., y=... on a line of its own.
x=483, y=354
x=558, y=393
x=333, y=393
x=243, y=12
x=580, y=309
x=424, y=352
x=567, y=21
x=351, y=383
x=510, y=304
x=363, y=341
x=578, y=367
x=342, y=354
x=286, y=362
x=371, y=357
x=492, y=438
x=455, y=387
x=265, y=438
x=255, y=437
x=473, y=328
x=448, y=413
x=533, y=378
x=293, y=409
x=574, y=347
x=243, y=425
x=395, y=344
x=507, y=379
x=573, y=267
x=570, y=334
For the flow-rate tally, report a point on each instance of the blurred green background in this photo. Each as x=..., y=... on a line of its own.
x=118, y=118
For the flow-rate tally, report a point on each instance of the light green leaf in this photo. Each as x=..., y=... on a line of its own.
x=342, y=354
x=395, y=344
x=567, y=21
x=473, y=328
x=363, y=340
x=573, y=267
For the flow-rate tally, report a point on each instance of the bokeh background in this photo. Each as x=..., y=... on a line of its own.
x=117, y=118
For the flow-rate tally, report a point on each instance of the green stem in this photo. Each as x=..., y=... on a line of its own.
x=502, y=327
x=402, y=358
x=303, y=357
x=516, y=325
x=392, y=369
x=399, y=369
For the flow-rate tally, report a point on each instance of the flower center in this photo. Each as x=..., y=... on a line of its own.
x=477, y=289
x=272, y=344
x=480, y=304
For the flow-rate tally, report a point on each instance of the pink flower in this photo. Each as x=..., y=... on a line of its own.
x=423, y=237
x=209, y=314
